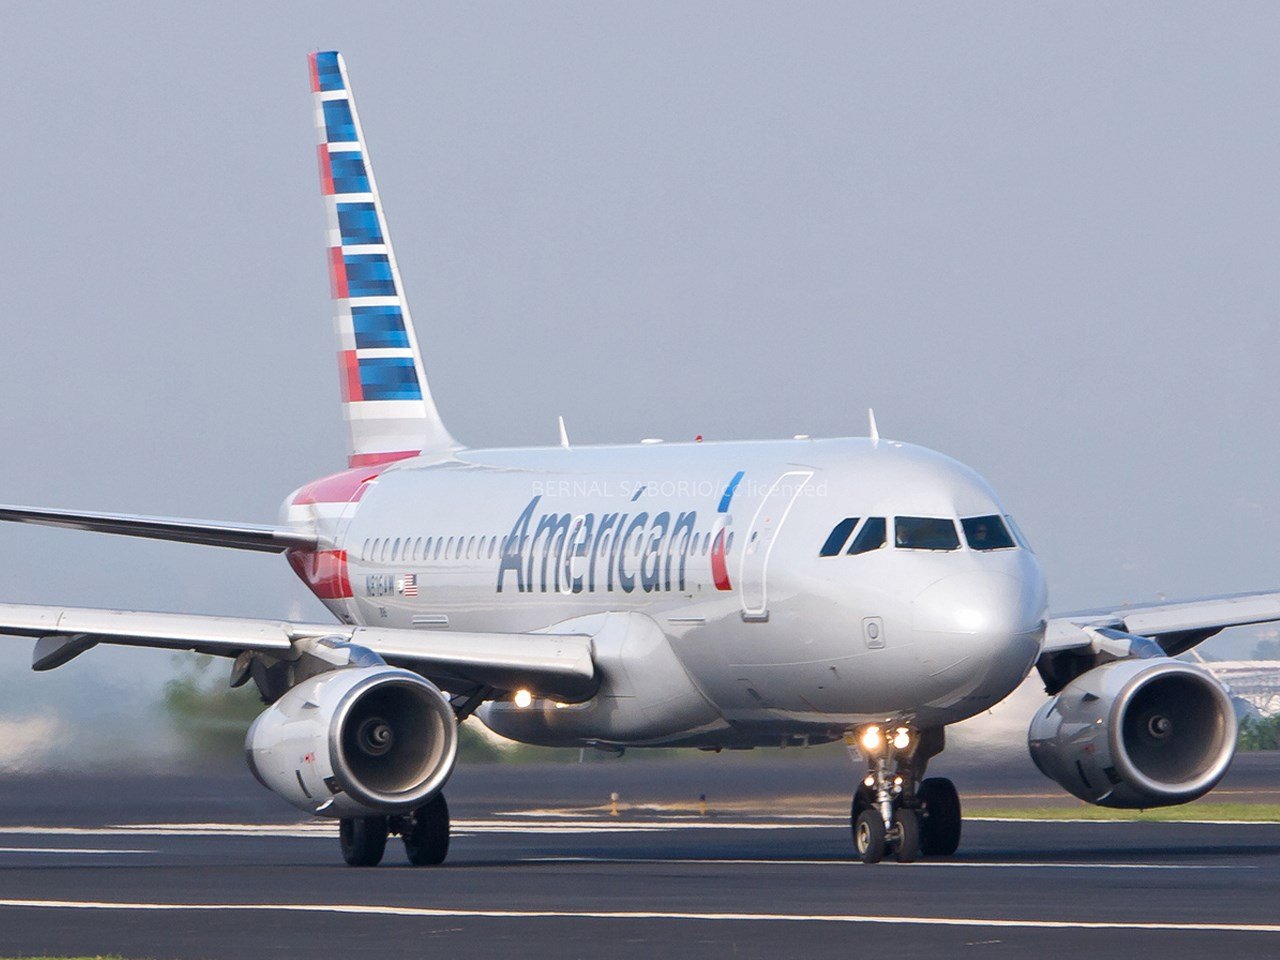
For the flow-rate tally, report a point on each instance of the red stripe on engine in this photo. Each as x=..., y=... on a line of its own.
x=326, y=169
x=323, y=571
x=337, y=274
x=349, y=373
x=376, y=459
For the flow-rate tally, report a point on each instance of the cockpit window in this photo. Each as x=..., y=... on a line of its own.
x=925, y=533
x=839, y=535
x=987, y=533
x=870, y=537
x=1018, y=535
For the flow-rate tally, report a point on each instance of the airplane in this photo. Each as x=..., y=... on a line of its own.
x=711, y=595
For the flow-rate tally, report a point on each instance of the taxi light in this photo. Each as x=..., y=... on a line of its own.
x=872, y=739
x=901, y=738
x=523, y=698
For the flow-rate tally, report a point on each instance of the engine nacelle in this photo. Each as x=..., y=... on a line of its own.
x=356, y=741
x=1136, y=733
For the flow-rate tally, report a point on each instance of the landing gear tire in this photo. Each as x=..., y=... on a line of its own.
x=863, y=799
x=426, y=839
x=869, y=835
x=907, y=846
x=940, y=828
x=363, y=839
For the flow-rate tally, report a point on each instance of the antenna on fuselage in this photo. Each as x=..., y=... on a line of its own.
x=871, y=424
x=564, y=434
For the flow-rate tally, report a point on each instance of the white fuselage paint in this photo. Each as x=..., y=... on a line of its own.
x=798, y=646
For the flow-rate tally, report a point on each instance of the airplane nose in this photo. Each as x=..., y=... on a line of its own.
x=979, y=603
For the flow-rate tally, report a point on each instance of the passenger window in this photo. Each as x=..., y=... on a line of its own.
x=870, y=537
x=838, y=537
x=492, y=543
x=987, y=533
x=925, y=533
x=457, y=555
x=439, y=544
x=364, y=554
x=426, y=553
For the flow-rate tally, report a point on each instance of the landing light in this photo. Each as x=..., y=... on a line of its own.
x=872, y=740
x=523, y=698
x=901, y=738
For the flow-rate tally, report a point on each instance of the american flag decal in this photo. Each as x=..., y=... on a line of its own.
x=409, y=585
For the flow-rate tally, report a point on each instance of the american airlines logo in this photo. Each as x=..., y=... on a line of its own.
x=575, y=553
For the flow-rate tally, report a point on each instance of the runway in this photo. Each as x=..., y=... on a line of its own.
x=529, y=876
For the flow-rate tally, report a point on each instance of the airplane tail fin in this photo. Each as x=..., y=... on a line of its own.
x=385, y=398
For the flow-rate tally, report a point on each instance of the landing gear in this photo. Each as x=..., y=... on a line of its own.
x=870, y=835
x=426, y=833
x=940, y=830
x=363, y=839
x=889, y=814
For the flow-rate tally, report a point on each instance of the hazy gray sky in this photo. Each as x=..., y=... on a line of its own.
x=1042, y=238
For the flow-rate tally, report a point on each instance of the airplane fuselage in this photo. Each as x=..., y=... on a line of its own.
x=718, y=544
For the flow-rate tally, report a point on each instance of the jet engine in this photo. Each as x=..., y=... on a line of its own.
x=1136, y=733
x=356, y=741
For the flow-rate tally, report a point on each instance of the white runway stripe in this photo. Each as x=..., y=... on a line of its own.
x=851, y=861
x=329, y=828
x=1133, y=820
x=69, y=850
x=386, y=910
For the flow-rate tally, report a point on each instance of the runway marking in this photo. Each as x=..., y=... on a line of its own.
x=435, y=913
x=102, y=850
x=328, y=828
x=996, y=864
x=1198, y=823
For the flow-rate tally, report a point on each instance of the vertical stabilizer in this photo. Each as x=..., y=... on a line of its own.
x=385, y=398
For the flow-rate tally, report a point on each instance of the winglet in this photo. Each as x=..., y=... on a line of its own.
x=871, y=424
x=385, y=398
x=564, y=434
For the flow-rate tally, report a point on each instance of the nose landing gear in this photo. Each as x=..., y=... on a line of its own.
x=890, y=813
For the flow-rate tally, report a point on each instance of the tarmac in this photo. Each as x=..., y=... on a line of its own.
x=209, y=865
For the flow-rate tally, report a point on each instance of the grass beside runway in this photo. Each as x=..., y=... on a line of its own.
x=1200, y=811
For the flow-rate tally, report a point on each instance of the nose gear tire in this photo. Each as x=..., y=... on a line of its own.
x=907, y=846
x=869, y=836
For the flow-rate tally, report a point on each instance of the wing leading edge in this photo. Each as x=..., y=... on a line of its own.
x=265, y=538
x=1176, y=625
x=558, y=666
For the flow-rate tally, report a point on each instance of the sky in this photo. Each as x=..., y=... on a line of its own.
x=1041, y=238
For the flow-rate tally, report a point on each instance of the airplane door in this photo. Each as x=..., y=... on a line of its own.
x=760, y=538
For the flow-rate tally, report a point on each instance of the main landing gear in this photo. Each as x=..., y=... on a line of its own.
x=425, y=833
x=894, y=812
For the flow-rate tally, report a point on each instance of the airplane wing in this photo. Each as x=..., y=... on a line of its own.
x=239, y=536
x=557, y=666
x=1176, y=625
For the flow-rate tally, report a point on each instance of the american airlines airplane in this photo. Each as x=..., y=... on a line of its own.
x=708, y=595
